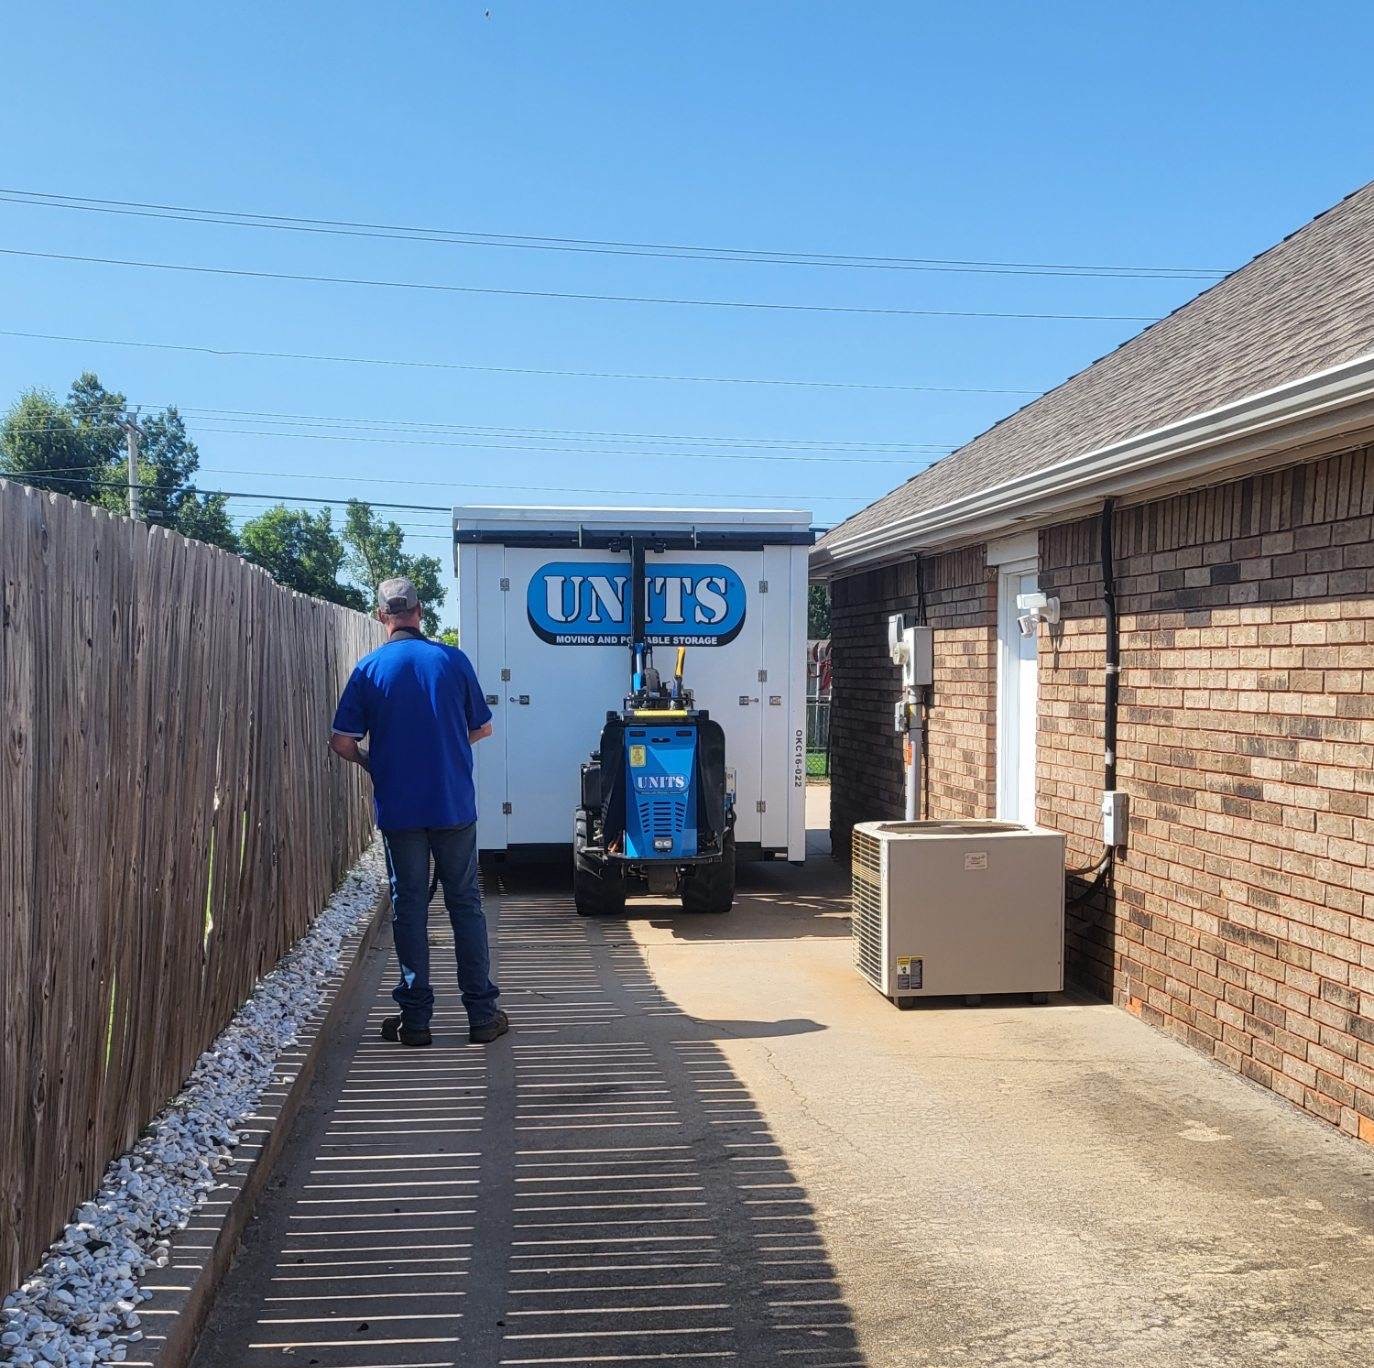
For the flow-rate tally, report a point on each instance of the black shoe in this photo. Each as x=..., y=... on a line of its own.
x=394, y=1029
x=489, y=1030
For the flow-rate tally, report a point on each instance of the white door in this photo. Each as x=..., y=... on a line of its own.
x=555, y=698
x=725, y=682
x=782, y=700
x=1016, y=698
x=482, y=634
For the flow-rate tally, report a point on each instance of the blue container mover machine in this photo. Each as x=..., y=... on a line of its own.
x=657, y=806
x=562, y=611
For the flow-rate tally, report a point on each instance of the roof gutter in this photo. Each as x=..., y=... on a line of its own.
x=1313, y=409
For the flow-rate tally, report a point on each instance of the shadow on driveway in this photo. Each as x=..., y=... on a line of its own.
x=597, y=1188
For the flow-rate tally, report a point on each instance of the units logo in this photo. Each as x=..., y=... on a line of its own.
x=661, y=783
x=586, y=603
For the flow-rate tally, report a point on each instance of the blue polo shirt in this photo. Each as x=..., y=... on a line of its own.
x=416, y=700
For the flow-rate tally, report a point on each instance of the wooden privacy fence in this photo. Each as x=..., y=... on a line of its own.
x=170, y=822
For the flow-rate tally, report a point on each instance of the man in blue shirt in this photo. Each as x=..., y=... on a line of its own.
x=419, y=703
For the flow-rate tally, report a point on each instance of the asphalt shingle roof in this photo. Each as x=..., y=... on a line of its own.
x=1305, y=304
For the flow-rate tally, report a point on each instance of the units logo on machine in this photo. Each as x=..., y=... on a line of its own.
x=661, y=783
x=586, y=603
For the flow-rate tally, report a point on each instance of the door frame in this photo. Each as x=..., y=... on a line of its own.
x=1010, y=724
x=482, y=630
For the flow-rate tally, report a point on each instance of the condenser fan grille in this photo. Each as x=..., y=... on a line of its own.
x=867, y=917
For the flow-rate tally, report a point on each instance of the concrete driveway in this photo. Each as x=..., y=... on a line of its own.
x=709, y=1141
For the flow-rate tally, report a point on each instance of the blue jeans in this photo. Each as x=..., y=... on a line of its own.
x=455, y=857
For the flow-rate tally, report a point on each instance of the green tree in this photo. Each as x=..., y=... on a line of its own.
x=168, y=456
x=376, y=552
x=168, y=459
x=79, y=448
x=42, y=446
x=449, y=636
x=302, y=551
x=99, y=417
x=423, y=572
x=375, y=548
x=818, y=613
x=206, y=518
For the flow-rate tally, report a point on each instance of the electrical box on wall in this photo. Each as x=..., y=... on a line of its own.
x=1116, y=809
x=912, y=646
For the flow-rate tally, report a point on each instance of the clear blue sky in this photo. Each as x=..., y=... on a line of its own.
x=1176, y=136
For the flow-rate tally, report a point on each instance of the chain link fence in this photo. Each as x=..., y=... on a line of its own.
x=817, y=738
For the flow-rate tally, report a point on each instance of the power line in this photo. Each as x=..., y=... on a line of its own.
x=512, y=370
x=62, y=475
x=419, y=528
x=202, y=427
x=333, y=502
x=569, y=450
x=804, y=443
x=577, y=296
x=533, y=242
x=538, y=489
x=23, y=477
x=409, y=536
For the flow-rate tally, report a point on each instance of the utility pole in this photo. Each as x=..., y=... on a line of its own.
x=132, y=433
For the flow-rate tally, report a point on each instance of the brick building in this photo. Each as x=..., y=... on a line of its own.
x=1230, y=448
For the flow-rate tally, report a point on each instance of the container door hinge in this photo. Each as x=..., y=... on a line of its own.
x=505, y=808
x=763, y=676
x=763, y=586
x=761, y=806
x=505, y=676
x=505, y=585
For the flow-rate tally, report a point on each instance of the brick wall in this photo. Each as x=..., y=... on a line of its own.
x=1242, y=917
x=866, y=754
x=961, y=604
x=1069, y=742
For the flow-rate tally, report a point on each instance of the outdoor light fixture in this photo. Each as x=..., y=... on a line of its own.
x=1034, y=609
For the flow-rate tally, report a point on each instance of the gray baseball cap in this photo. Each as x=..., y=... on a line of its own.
x=397, y=596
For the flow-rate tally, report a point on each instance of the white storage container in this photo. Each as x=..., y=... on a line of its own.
x=544, y=616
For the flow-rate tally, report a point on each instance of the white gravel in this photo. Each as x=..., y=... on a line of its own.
x=78, y=1307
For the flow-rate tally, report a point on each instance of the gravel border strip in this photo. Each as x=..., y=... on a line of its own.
x=171, y=1208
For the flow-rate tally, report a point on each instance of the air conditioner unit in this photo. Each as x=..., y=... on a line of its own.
x=958, y=908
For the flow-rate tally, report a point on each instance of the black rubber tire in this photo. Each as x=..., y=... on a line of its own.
x=711, y=887
x=598, y=885
x=905, y=1004
x=599, y=895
